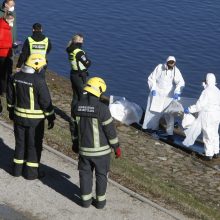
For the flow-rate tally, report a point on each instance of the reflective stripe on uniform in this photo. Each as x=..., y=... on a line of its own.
x=95, y=127
x=107, y=121
x=91, y=149
x=113, y=141
x=101, y=198
x=18, y=161
x=96, y=150
x=31, y=112
x=29, y=115
x=92, y=153
x=28, y=111
x=86, y=197
x=14, y=84
x=32, y=164
x=31, y=93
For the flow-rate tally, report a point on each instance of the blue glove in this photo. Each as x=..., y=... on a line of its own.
x=153, y=93
x=176, y=96
x=186, y=110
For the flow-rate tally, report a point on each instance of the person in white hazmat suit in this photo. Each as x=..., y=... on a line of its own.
x=208, y=106
x=165, y=84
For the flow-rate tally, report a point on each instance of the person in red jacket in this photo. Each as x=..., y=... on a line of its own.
x=6, y=23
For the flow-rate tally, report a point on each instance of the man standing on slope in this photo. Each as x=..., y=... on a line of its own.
x=165, y=84
x=208, y=107
x=29, y=103
x=93, y=135
x=38, y=43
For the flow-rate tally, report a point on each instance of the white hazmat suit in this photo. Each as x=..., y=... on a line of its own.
x=208, y=106
x=166, y=83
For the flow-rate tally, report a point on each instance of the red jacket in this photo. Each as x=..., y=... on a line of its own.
x=5, y=39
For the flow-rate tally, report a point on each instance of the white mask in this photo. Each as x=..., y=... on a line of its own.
x=204, y=85
x=11, y=9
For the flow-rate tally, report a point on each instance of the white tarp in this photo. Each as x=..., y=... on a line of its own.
x=125, y=111
x=188, y=120
x=193, y=131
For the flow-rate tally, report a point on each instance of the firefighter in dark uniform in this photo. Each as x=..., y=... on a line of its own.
x=94, y=136
x=79, y=66
x=29, y=103
x=38, y=43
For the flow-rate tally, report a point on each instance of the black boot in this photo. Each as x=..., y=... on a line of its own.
x=17, y=170
x=86, y=204
x=98, y=204
x=215, y=156
x=170, y=138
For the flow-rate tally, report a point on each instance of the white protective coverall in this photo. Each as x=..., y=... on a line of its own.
x=208, y=106
x=166, y=82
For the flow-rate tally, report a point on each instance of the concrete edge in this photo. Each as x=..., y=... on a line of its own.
x=122, y=188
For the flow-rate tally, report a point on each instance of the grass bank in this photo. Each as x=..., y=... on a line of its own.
x=134, y=170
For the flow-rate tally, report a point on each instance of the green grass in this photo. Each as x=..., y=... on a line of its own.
x=137, y=179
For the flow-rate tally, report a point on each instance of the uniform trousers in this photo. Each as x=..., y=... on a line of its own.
x=86, y=167
x=28, y=148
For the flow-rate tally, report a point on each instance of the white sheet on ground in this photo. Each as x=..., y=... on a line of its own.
x=125, y=111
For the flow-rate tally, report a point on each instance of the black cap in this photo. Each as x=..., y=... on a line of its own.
x=37, y=27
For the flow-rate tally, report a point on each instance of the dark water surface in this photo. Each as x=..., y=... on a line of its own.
x=126, y=39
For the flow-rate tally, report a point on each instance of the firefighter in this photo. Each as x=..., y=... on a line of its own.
x=38, y=43
x=79, y=65
x=29, y=103
x=93, y=136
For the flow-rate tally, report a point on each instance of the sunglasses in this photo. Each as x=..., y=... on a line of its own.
x=171, y=62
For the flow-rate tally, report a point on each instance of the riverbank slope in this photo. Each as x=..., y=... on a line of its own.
x=166, y=175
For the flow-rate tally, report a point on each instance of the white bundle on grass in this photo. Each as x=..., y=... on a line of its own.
x=125, y=111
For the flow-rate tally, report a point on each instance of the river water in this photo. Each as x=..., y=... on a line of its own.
x=126, y=39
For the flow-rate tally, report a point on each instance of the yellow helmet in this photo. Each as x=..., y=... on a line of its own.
x=36, y=61
x=95, y=86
